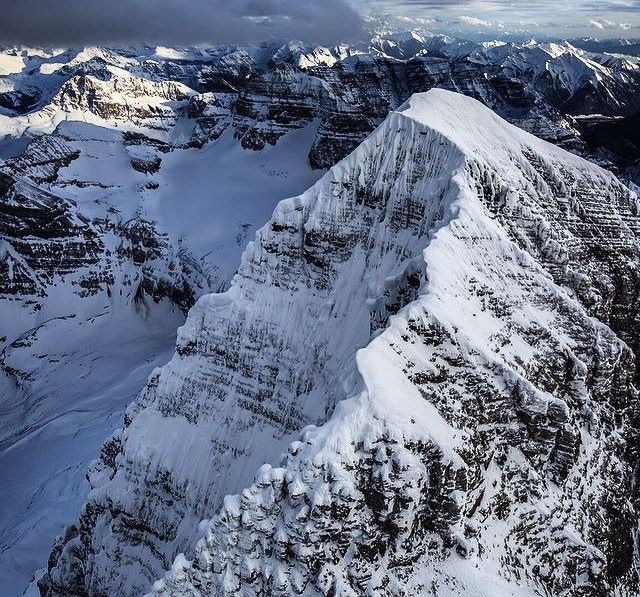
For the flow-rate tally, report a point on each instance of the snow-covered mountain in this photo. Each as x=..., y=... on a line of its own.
x=132, y=178
x=622, y=45
x=263, y=91
x=451, y=315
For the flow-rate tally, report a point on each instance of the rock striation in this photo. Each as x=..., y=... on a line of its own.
x=450, y=313
x=48, y=239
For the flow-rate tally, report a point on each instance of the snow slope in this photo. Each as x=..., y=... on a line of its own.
x=434, y=298
x=77, y=399
x=72, y=361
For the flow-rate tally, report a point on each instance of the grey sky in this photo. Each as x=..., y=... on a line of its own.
x=182, y=22
x=569, y=18
x=44, y=22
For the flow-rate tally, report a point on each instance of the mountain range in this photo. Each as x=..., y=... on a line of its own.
x=432, y=343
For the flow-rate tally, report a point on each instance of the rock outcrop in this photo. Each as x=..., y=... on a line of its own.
x=48, y=239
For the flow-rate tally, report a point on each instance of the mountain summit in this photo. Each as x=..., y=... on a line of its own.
x=450, y=317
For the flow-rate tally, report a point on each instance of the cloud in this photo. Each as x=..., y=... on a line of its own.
x=607, y=24
x=614, y=6
x=180, y=22
x=433, y=3
x=473, y=21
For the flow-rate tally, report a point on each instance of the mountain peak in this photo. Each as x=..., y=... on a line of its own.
x=430, y=303
x=475, y=129
x=460, y=118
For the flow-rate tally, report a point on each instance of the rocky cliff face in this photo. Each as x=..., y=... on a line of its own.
x=115, y=95
x=457, y=300
x=47, y=240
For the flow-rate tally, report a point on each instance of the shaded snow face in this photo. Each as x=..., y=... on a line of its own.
x=438, y=298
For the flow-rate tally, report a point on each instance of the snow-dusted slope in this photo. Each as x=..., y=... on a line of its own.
x=448, y=286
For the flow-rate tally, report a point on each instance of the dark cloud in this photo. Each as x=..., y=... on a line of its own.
x=70, y=22
x=433, y=3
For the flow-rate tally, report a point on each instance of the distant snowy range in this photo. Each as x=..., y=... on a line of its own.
x=284, y=319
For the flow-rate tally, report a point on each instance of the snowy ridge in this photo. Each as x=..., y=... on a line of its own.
x=210, y=392
x=416, y=463
x=479, y=419
x=110, y=96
